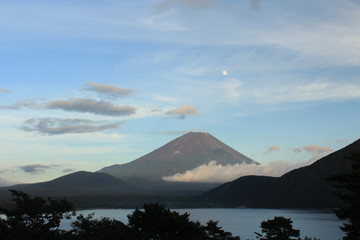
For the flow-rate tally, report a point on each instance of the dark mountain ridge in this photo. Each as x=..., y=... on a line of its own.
x=74, y=184
x=306, y=187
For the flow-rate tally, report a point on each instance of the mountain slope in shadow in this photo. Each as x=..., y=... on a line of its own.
x=306, y=187
x=75, y=184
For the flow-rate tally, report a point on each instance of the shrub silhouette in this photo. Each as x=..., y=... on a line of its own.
x=37, y=218
x=279, y=228
x=88, y=228
x=34, y=217
x=159, y=223
x=351, y=211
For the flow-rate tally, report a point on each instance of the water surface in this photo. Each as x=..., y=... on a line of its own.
x=244, y=222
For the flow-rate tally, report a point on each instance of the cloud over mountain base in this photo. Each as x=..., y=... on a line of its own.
x=217, y=173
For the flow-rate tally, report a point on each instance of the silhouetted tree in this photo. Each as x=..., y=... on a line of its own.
x=34, y=217
x=214, y=232
x=155, y=222
x=351, y=197
x=88, y=228
x=279, y=228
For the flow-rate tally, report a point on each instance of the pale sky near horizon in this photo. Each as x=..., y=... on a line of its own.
x=88, y=84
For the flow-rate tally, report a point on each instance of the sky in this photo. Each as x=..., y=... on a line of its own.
x=88, y=84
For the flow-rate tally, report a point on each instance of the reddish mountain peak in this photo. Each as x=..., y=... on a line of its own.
x=181, y=154
x=195, y=141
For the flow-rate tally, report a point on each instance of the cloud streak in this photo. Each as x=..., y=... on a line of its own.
x=36, y=168
x=183, y=111
x=272, y=148
x=4, y=90
x=4, y=182
x=20, y=105
x=185, y=4
x=255, y=4
x=213, y=172
x=178, y=132
x=314, y=149
x=290, y=92
x=56, y=126
x=91, y=106
x=68, y=170
x=110, y=91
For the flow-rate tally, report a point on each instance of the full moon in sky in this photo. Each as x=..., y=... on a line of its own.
x=224, y=72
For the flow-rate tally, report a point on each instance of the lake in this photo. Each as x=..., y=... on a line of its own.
x=244, y=222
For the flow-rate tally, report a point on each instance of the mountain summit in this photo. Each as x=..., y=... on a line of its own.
x=184, y=153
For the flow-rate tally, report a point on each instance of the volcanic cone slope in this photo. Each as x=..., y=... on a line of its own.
x=184, y=153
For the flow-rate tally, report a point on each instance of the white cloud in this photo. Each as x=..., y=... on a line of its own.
x=213, y=172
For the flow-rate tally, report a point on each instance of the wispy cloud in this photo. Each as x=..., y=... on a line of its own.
x=213, y=172
x=20, y=105
x=319, y=90
x=283, y=91
x=4, y=182
x=178, y=132
x=110, y=91
x=68, y=170
x=56, y=126
x=36, y=168
x=91, y=106
x=183, y=111
x=165, y=99
x=329, y=39
x=272, y=148
x=255, y=4
x=185, y=4
x=341, y=140
x=2, y=171
x=4, y=90
x=314, y=149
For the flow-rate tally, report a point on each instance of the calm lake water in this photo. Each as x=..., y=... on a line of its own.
x=244, y=222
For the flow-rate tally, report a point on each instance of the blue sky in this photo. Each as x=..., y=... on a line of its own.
x=87, y=84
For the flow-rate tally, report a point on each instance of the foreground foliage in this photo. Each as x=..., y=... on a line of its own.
x=38, y=218
x=351, y=211
x=279, y=228
x=34, y=218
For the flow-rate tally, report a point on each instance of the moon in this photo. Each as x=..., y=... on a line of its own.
x=224, y=72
